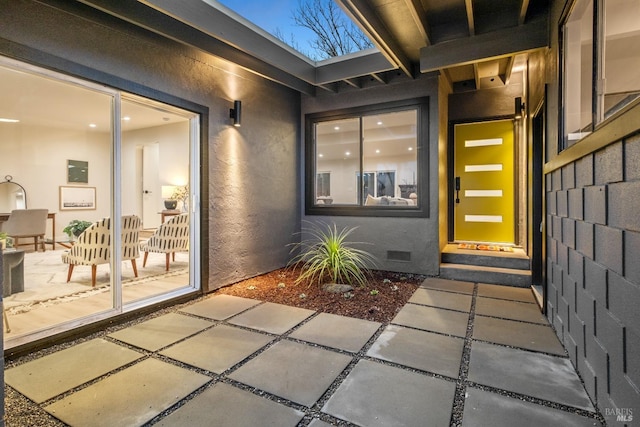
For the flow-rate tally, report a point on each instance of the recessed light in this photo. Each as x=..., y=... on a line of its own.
x=377, y=151
x=336, y=128
x=320, y=155
x=126, y=118
x=5, y=120
x=379, y=123
x=93, y=125
x=348, y=153
x=410, y=148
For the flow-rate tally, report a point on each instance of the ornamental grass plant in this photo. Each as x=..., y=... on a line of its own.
x=326, y=255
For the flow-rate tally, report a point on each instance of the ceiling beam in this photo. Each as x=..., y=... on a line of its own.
x=352, y=83
x=476, y=75
x=364, y=16
x=351, y=66
x=378, y=78
x=509, y=70
x=419, y=18
x=470, y=20
x=493, y=45
x=523, y=11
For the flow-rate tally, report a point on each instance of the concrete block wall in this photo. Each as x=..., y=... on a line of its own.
x=593, y=270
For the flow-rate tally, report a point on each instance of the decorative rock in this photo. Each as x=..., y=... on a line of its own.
x=336, y=288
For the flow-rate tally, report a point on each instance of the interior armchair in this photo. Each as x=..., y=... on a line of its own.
x=93, y=246
x=171, y=237
x=27, y=223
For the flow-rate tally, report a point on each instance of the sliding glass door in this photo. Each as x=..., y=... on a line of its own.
x=101, y=164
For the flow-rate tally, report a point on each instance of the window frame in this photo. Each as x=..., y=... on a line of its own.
x=421, y=105
x=598, y=91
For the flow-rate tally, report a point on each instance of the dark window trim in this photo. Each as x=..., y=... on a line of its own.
x=422, y=159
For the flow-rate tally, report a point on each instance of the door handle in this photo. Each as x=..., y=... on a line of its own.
x=457, y=189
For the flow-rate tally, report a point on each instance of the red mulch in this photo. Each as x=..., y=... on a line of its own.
x=380, y=300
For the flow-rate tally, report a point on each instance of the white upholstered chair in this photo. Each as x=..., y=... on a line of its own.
x=93, y=246
x=171, y=237
x=27, y=223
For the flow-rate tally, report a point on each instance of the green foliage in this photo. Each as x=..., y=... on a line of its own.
x=327, y=255
x=3, y=235
x=76, y=227
x=374, y=292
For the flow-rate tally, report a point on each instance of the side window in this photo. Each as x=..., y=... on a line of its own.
x=367, y=160
x=601, y=64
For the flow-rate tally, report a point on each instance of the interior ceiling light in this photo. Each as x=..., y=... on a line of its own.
x=336, y=128
x=410, y=148
x=92, y=125
x=320, y=155
x=5, y=120
x=126, y=118
x=377, y=151
x=379, y=123
x=348, y=153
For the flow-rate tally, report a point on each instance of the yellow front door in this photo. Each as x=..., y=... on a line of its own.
x=484, y=182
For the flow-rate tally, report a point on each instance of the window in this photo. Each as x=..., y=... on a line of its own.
x=373, y=158
x=601, y=72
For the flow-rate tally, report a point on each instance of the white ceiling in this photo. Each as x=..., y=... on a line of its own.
x=39, y=101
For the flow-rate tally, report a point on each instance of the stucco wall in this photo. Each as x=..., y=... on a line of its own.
x=250, y=204
x=419, y=236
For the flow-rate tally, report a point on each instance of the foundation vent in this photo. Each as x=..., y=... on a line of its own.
x=399, y=256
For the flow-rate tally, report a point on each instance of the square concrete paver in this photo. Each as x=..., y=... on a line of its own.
x=226, y=406
x=218, y=348
x=441, y=299
x=51, y=375
x=482, y=409
x=533, y=374
x=517, y=334
x=273, y=318
x=318, y=423
x=433, y=319
x=220, y=307
x=513, y=310
x=298, y=372
x=375, y=395
x=161, y=331
x=130, y=397
x=418, y=349
x=448, y=285
x=344, y=333
x=506, y=292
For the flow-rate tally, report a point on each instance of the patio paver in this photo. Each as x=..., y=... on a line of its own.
x=506, y=292
x=419, y=349
x=441, y=299
x=273, y=318
x=69, y=368
x=218, y=348
x=448, y=285
x=161, y=331
x=375, y=395
x=298, y=372
x=513, y=310
x=220, y=307
x=517, y=334
x=130, y=397
x=433, y=319
x=354, y=333
x=482, y=409
x=539, y=375
x=231, y=407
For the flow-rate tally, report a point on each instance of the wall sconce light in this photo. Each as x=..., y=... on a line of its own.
x=519, y=108
x=236, y=113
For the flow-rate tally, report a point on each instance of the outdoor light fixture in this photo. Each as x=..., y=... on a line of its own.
x=236, y=113
x=519, y=108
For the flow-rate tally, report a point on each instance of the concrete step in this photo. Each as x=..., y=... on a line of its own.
x=515, y=260
x=486, y=274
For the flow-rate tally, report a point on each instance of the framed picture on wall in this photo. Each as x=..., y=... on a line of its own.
x=77, y=172
x=77, y=198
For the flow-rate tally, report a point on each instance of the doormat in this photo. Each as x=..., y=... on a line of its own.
x=480, y=247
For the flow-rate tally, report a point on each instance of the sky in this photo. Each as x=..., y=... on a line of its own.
x=270, y=15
